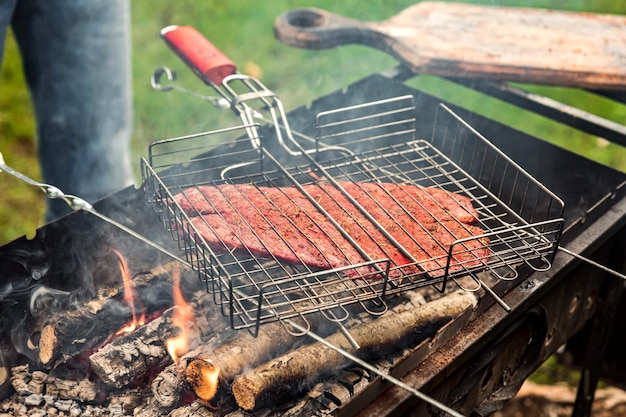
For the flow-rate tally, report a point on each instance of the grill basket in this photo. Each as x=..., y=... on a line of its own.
x=373, y=142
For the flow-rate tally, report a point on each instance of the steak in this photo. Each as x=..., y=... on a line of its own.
x=284, y=224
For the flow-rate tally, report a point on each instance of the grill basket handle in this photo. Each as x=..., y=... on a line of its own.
x=206, y=61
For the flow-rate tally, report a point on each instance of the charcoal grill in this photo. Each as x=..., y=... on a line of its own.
x=474, y=365
x=375, y=142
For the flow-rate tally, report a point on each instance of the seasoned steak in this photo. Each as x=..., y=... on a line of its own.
x=283, y=223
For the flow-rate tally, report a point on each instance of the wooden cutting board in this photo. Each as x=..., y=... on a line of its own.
x=462, y=40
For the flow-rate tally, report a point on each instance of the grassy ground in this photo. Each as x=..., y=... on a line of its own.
x=21, y=206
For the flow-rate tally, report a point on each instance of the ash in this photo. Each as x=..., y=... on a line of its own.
x=38, y=394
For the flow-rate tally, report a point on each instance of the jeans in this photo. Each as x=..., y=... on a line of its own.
x=76, y=59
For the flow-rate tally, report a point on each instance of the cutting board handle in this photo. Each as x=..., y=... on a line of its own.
x=313, y=28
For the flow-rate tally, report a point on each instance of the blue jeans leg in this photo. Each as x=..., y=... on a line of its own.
x=6, y=12
x=76, y=57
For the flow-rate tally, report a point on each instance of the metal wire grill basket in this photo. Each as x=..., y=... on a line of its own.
x=373, y=143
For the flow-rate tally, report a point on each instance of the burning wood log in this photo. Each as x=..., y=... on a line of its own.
x=150, y=408
x=201, y=367
x=167, y=387
x=303, y=366
x=129, y=357
x=226, y=361
x=228, y=357
x=195, y=409
x=89, y=325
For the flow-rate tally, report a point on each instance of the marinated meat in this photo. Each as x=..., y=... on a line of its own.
x=283, y=223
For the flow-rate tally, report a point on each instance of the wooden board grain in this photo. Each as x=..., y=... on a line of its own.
x=462, y=40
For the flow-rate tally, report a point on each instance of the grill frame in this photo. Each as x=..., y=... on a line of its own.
x=595, y=226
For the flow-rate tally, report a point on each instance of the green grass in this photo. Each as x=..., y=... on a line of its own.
x=21, y=206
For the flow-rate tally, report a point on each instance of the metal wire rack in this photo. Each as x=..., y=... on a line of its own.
x=374, y=143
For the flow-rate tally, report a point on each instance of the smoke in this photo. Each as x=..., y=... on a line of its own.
x=28, y=316
x=44, y=299
x=20, y=269
x=41, y=276
x=25, y=342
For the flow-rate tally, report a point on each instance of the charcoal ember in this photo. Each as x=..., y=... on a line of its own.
x=168, y=386
x=89, y=325
x=64, y=405
x=38, y=379
x=29, y=383
x=34, y=400
x=196, y=409
x=150, y=408
x=20, y=379
x=116, y=409
x=82, y=390
x=127, y=400
x=130, y=357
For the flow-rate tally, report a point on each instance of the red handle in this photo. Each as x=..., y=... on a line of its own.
x=208, y=62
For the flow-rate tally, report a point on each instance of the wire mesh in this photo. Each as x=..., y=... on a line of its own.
x=362, y=211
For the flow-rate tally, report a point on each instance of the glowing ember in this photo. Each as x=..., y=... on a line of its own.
x=181, y=318
x=203, y=376
x=129, y=297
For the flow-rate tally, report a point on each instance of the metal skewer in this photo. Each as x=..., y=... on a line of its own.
x=373, y=369
x=77, y=203
x=593, y=263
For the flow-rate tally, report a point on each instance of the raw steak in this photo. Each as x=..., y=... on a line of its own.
x=282, y=223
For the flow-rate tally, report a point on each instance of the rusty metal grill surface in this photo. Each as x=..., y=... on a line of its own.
x=373, y=142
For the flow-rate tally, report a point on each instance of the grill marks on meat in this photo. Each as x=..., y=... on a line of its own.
x=282, y=223
x=425, y=221
x=268, y=221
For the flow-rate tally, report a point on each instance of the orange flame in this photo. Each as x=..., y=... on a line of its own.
x=129, y=297
x=203, y=376
x=181, y=318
